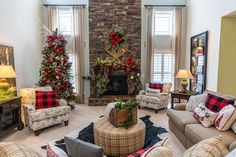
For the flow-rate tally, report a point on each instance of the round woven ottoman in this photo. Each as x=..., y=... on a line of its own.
x=119, y=141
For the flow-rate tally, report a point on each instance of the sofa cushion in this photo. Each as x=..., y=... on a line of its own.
x=146, y=98
x=181, y=118
x=42, y=114
x=196, y=133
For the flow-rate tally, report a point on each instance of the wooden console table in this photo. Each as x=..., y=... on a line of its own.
x=180, y=95
x=10, y=115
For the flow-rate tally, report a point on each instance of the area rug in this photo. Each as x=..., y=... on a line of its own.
x=151, y=137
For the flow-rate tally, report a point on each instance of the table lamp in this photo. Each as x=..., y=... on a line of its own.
x=6, y=71
x=184, y=74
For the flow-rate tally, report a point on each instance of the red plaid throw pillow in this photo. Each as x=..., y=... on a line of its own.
x=139, y=152
x=216, y=103
x=156, y=86
x=46, y=100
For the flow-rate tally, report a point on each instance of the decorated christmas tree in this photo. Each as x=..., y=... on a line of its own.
x=55, y=68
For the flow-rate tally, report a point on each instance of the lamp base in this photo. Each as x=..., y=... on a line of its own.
x=4, y=84
x=184, y=85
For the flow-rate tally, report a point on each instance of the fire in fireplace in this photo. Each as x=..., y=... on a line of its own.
x=117, y=85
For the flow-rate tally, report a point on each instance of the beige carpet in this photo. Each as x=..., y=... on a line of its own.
x=80, y=117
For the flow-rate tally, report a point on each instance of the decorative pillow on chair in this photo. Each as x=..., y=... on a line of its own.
x=46, y=100
x=204, y=115
x=212, y=147
x=152, y=92
x=156, y=86
x=161, y=149
x=225, y=118
x=216, y=103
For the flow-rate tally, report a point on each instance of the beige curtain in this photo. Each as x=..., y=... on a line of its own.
x=177, y=39
x=149, y=62
x=53, y=17
x=78, y=48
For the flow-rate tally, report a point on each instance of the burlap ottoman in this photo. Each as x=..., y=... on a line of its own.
x=119, y=141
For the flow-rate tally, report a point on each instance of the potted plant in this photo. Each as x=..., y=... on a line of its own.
x=124, y=114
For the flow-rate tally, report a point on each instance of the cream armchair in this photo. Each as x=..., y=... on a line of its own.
x=38, y=119
x=155, y=101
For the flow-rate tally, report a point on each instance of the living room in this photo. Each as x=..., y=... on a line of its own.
x=117, y=78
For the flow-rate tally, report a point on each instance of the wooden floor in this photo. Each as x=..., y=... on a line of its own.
x=79, y=117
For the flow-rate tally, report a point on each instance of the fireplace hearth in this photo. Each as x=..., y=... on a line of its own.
x=117, y=85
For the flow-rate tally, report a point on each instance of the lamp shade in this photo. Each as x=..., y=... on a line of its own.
x=184, y=74
x=7, y=71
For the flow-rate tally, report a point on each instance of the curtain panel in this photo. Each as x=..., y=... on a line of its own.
x=78, y=48
x=53, y=17
x=150, y=50
x=177, y=42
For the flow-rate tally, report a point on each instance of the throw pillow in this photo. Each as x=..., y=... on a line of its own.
x=225, y=118
x=156, y=86
x=10, y=149
x=161, y=149
x=212, y=147
x=204, y=115
x=46, y=99
x=139, y=152
x=216, y=103
x=86, y=134
x=78, y=148
x=152, y=92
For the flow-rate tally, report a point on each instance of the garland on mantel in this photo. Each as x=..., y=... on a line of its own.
x=103, y=66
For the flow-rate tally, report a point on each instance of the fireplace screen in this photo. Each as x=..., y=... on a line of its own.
x=117, y=85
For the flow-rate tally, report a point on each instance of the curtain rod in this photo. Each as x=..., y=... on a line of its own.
x=83, y=5
x=165, y=5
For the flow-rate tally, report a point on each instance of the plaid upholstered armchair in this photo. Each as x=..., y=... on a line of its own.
x=154, y=98
x=37, y=119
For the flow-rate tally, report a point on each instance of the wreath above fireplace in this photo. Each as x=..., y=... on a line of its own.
x=116, y=43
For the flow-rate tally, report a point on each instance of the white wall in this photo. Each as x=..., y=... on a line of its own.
x=206, y=15
x=20, y=27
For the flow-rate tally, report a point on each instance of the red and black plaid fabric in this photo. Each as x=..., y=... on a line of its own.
x=139, y=152
x=216, y=103
x=46, y=100
x=156, y=86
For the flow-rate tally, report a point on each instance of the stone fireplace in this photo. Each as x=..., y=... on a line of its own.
x=104, y=15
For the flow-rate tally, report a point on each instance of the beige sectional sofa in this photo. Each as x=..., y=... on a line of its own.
x=188, y=130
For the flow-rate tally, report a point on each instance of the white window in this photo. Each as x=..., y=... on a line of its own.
x=163, y=66
x=66, y=28
x=163, y=22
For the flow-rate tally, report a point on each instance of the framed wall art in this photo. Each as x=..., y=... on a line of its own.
x=198, y=62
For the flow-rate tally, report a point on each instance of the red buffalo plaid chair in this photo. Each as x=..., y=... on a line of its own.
x=41, y=109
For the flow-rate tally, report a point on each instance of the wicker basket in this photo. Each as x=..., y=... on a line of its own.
x=119, y=117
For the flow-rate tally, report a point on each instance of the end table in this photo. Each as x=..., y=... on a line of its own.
x=180, y=95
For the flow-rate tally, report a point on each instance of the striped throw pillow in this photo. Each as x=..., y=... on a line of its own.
x=225, y=118
x=10, y=149
x=212, y=147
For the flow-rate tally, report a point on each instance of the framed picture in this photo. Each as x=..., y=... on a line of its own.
x=198, y=62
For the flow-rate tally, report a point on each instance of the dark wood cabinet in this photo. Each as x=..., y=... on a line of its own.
x=10, y=115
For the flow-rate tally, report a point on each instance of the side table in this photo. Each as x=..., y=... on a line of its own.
x=180, y=96
x=10, y=115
